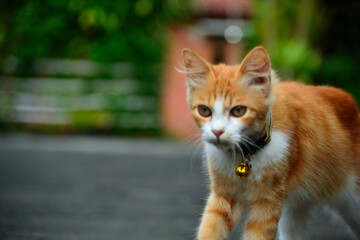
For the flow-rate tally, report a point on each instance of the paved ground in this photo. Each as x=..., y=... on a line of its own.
x=106, y=188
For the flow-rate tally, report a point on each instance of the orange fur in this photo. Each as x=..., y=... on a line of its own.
x=323, y=129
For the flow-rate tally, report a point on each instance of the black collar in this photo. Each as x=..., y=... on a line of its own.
x=250, y=149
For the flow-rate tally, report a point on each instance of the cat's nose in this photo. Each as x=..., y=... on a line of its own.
x=218, y=132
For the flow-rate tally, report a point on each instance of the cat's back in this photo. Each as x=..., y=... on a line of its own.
x=319, y=99
x=321, y=112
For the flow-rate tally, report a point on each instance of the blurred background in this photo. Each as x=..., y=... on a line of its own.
x=95, y=80
x=108, y=67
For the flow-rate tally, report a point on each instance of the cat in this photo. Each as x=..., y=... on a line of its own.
x=274, y=150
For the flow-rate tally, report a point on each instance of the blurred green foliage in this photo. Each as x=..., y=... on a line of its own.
x=123, y=30
x=133, y=32
x=339, y=44
x=314, y=41
x=286, y=28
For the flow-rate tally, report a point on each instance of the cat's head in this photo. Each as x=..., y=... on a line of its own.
x=229, y=103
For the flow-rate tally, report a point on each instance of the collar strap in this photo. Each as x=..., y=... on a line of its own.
x=265, y=138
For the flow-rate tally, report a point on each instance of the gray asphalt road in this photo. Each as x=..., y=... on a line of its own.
x=106, y=188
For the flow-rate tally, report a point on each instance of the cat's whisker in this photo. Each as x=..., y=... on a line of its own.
x=195, y=142
x=233, y=154
x=246, y=145
x=199, y=145
x=249, y=142
x=242, y=153
x=247, y=138
x=192, y=139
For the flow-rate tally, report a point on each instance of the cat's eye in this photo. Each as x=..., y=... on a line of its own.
x=204, y=111
x=238, y=111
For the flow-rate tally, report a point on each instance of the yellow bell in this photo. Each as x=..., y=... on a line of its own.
x=243, y=170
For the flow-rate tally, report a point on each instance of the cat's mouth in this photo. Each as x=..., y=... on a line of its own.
x=220, y=143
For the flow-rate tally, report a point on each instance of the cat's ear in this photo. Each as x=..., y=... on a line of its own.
x=197, y=69
x=255, y=70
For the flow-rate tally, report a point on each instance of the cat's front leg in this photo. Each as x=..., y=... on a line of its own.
x=264, y=216
x=220, y=215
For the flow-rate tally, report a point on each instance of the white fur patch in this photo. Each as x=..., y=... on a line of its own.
x=221, y=159
x=218, y=121
x=272, y=153
x=218, y=107
x=299, y=206
x=226, y=161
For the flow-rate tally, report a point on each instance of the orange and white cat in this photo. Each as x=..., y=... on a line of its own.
x=312, y=158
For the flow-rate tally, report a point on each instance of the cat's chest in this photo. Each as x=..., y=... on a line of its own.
x=272, y=156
